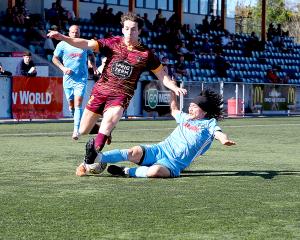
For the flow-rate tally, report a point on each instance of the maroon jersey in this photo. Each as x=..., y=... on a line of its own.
x=124, y=66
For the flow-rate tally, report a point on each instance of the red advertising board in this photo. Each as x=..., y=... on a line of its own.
x=37, y=97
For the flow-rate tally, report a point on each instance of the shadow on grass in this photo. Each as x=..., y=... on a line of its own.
x=266, y=174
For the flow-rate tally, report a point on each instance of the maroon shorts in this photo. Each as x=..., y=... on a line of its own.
x=98, y=103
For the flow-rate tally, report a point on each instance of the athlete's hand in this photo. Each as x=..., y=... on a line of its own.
x=228, y=142
x=67, y=71
x=96, y=71
x=180, y=91
x=55, y=34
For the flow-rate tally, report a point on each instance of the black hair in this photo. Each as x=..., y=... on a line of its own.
x=214, y=104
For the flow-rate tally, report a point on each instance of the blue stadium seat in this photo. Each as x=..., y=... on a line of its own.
x=193, y=72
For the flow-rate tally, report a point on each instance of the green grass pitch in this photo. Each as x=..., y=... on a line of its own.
x=248, y=191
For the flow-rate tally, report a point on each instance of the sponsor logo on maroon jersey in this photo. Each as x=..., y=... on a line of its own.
x=121, y=69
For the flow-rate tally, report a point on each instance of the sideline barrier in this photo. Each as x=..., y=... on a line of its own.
x=5, y=97
x=256, y=99
x=42, y=97
x=37, y=97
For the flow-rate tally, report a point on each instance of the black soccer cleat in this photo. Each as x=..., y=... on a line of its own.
x=90, y=152
x=116, y=170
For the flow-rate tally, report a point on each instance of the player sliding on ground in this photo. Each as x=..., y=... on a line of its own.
x=126, y=60
x=192, y=137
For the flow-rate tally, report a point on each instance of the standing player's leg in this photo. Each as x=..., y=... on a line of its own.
x=95, y=130
x=111, y=117
x=77, y=116
x=79, y=91
x=88, y=122
x=71, y=107
x=69, y=93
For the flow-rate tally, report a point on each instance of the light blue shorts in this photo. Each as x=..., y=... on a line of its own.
x=154, y=155
x=78, y=89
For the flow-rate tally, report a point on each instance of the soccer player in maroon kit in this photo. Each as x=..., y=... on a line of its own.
x=126, y=60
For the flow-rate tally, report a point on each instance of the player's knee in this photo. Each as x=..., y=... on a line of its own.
x=158, y=171
x=135, y=154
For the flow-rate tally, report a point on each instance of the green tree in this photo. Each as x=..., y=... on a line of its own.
x=276, y=13
x=293, y=24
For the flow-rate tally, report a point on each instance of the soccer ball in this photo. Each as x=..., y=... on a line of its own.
x=93, y=169
x=96, y=168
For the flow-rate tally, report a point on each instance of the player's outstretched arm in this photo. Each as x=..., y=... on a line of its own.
x=169, y=83
x=76, y=42
x=173, y=104
x=223, y=138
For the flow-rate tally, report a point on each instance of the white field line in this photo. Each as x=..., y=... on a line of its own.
x=140, y=130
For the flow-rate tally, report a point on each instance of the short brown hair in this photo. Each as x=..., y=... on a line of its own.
x=26, y=54
x=132, y=17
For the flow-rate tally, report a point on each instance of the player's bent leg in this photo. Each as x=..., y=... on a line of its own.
x=110, y=119
x=88, y=121
x=158, y=171
x=135, y=154
x=95, y=130
x=155, y=171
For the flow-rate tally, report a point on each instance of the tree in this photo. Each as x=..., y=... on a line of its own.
x=276, y=13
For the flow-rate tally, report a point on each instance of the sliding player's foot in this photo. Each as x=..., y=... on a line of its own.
x=116, y=170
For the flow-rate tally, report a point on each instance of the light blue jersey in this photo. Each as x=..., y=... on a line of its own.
x=74, y=84
x=190, y=139
x=75, y=59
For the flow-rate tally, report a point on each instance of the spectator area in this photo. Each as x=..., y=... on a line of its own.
x=246, y=65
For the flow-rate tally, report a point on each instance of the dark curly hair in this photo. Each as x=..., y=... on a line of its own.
x=214, y=104
x=132, y=17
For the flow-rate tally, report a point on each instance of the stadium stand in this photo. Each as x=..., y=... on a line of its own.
x=6, y=43
x=243, y=68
